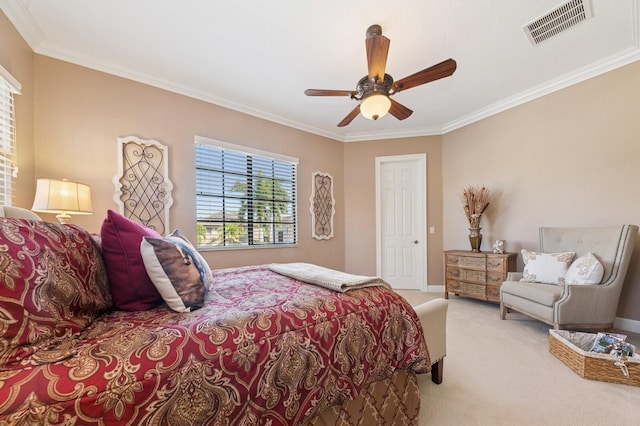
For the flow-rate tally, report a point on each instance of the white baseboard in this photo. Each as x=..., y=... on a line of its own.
x=627, y=325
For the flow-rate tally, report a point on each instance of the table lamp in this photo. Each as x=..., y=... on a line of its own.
x=62, y=197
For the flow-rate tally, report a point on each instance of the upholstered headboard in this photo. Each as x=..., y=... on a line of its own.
x=18, y=212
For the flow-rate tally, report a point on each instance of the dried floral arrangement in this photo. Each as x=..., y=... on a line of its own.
x=475, y=200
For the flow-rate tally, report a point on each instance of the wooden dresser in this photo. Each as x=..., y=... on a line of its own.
x=477, y=275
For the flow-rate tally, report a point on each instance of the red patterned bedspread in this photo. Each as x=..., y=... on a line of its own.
x=265, y=349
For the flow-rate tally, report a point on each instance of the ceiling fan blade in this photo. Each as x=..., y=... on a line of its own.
x=321, y=92
x=377, y=51
x=436, y=72
x=349, y=118
x=399, y=111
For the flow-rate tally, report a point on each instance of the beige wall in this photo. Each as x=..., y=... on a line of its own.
x=571, y=158
x=360, y=200
x=81, y=113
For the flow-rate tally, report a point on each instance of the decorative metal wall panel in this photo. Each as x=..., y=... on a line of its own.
x=322, y=205
x=143, y=188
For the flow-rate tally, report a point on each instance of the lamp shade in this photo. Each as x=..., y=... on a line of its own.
x=62, y=197
x=375, y=105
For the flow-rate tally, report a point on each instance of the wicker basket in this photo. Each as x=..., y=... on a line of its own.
x=572, y=348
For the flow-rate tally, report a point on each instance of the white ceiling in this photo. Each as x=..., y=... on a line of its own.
x=259, y=56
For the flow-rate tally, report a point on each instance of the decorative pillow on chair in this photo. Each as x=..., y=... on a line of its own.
x=178, y=271
x=547, y=268
x=131, y=287
x=585, y=270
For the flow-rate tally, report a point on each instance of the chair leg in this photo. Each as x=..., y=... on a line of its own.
x=436, y=372
x=503, y=311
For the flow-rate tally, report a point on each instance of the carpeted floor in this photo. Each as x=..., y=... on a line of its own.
x=501, y=373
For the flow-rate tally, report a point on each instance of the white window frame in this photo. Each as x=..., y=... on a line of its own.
x=252, y=241
x=9, y=87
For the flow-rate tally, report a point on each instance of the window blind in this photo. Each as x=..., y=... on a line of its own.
x=243, y=197
x=8, y=165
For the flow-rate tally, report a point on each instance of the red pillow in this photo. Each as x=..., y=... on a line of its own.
x=131, y=287
x=53, y=284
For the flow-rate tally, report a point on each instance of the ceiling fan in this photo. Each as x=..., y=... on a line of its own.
x=374, y=90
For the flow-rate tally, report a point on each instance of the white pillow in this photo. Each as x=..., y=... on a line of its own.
x=547, y=268
x=178, y=271
x=585, y=270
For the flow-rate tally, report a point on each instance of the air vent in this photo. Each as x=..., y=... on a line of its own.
x=558, y=20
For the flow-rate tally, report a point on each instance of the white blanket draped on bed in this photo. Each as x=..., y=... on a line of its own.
x=325, y=277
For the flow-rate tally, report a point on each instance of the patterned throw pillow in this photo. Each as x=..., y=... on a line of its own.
x=178, y=271
x=585, y=270
x=53, y=284
x=547, y=268
x=131, y=287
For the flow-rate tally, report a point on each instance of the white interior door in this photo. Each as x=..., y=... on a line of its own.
x=401, y=221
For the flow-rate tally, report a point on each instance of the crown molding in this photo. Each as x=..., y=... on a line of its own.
x=20, y=17
x=391, y=134
x=593, y=70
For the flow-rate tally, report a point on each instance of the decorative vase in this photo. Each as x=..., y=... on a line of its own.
x=475, y=239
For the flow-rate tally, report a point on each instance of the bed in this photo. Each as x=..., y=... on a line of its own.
x=265, y=349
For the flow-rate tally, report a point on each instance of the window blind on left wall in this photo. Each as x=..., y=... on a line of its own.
x=9, y=87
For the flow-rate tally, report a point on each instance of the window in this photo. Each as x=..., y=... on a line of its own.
x=8, y=167
x=244, y=197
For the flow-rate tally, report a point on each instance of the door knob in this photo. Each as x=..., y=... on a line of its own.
x=416, y=242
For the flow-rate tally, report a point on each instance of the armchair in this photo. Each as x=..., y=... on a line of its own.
x=575, y=306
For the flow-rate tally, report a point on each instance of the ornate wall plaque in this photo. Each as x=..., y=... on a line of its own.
x=322, y=205
x=143, y=188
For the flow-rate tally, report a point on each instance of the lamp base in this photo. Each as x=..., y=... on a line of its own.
x=63, y=217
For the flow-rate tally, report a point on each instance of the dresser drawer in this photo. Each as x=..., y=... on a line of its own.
x=496, y=263
x=474, y=290
x=495, y=277
x=454, y=286
x=493, y=293
x=453, y=272
x=451, y=259
x=475, y=262
x=472, y=275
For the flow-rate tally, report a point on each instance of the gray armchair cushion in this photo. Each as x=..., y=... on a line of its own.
x=545, y=294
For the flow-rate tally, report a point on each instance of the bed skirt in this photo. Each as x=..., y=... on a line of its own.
x=392, y=401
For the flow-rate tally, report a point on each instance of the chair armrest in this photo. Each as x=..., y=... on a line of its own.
x=600, y=300
x=514, y=276
x=433, y=317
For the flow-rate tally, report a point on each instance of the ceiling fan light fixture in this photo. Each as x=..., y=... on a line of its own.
x=373, y=90
x=375, y=106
